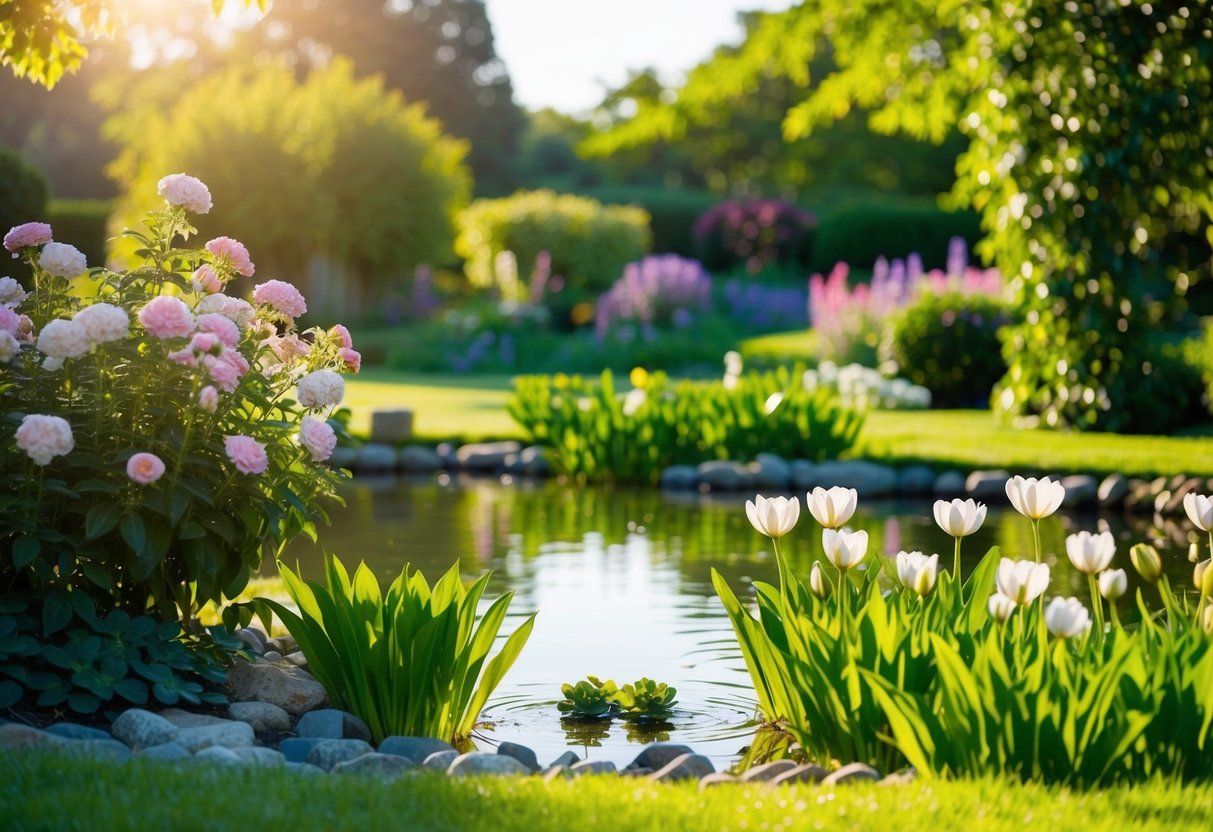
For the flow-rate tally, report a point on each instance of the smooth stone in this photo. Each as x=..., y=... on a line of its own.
x=592, y=767
x=343, y=456
x=419, y=458
x=282, y=644
x=108, y=750
x=306, y=769
x=296, y=749
x=851, y=773
x=261, y=716
x=391, y=426
x=1113, y=490
x=229, y=734
x=679, y=478
x=520, y=753
x=722, y=475
x=800, y=474
x=332, y=724
x=556, y=773
x=716, y=778
x=949, y=484
x=482, y=762
x=1081, y=490
x=770, y=472
x=253, y=638
x=899, y=778
x=294, y=690
x=139, y=728
x=72, y=731
x=768, y=771
x=870, y=479
x=1140, y=496
x=381, y=766
x=329, y=753
x=1175, y=504
x=297, y=659
x=685, y=767
x=533, y=462
x=807, y=773
x=14, y=735
x=636, y=772
x=485, y=456
x=217, y=754
x=446, y=453
x=987, y=486
x=165, y=752
x=260, y=756
x=658, y=754
x=272, y=656
x=376, y=457
x=440, y=760
x=568, y=758
x=416, y=749
x=915, y=480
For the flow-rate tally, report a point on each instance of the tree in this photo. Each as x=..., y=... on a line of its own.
x=1088, y=157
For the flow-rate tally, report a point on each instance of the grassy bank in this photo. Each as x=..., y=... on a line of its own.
x=473, y=407
x=41, y=792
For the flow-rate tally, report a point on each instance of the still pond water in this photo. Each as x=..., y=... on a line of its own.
x=622, y=582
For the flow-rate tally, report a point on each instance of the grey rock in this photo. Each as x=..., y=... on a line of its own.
x=14, y=735
x=417, y=749
x=108, y=750
x=225, y=732
x=72, y=731
x=261, y=716
x=807, y=773
x=482, y=762
x=420, y=458
x=218, y=755
x=658, y=754
x=297, y=659
x=868, y=478
x=343, y=456
x=165, y=752
x=684, y=767
x=305, y=769
x=332, y=724
x=256, y=755
x=329, y=753
x=636, y=772
x=1113, y=490
x=800, y=474
x=485, y=456
x=533, y=462
x=294, y=690
x=391, y=426
x=446, y=453
x=253, y=638
x=717, y=778
x=679, y=478
x=374, y=457
x=722, y=475
x=915, y=480
x=767, y=771
x=520, y=753
x=139, y=728
x=1175, y=503
x=272, y=656
x=566, y=759
x=282, y=644
x=851, y=773
x=987, y=486
x=949, y=484
x=440, y=760
x=899, y=778
x=593, y=767
x=1081, y=490
x=296, y=749
x=556, y=773
x=769, y=472
x=381, y=766
x=1140, y=496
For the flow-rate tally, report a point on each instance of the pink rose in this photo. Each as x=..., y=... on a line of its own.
x=231, y=253
x=221, y=372
x=246, y=453
x=184, y=356
x=207, y=279
x=221, y=326
x=282, y=296
x=167, y=317
x=343, y=336
x=208, y=399
x=45, y=437
x=9, y=321
x=317, y=438
x=204, y=342
x=186, y=191
x=352, y=359
x=26, y=235
x=144, y=468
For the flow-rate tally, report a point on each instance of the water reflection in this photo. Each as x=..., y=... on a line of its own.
x=622, y=580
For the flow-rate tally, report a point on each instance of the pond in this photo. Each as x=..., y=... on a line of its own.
x=622, y=582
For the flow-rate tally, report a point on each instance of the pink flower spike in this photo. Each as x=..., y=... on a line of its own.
x=282, y=296
x=26, y=235
x=246, y=453
x=144, y=468
x=231, y=253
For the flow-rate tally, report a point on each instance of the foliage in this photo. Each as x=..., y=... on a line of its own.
x=859, y=231
x=589, y=243
x=82, y=223
x=590, y=698
x=23, y=195
x=410, y=663
x=948, y=343
x=660, y=290
x=63, y=655
x=596, y=434
x=647, y=699
x=85, y=519
x=672, y=211
x=754, y=234
x=1171, y=376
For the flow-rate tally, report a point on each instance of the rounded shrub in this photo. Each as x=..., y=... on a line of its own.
x=948, y=343
x=860, y=231
x=754, y=234
x=23, y=198
x=83, y=223
x=672, y=212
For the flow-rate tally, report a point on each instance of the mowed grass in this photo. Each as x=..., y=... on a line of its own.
x=40, y=791
x=473, y=408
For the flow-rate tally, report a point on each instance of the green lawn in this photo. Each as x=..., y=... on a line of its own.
x=43, y=792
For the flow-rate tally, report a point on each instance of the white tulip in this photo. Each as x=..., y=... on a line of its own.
x=817, y=581
x=1091, y=553
x=1022, y=580
x=1000, y=607
x=1035, y=498
x=1202, y=578
x=1113, y=584
x=959, y=518
x=844, y=549
x=1194, y=553
x=832, y=508
x=1200, y=511
x=1067, y=617
x=916, y=571
x=773, y=516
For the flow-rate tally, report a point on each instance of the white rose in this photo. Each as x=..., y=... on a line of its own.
x=62, y=339
x=62, y=260
x=188, y=192
x=45, y=437
x=323, y=388
x=103, y=322
x=9, y=346
x=11, y=293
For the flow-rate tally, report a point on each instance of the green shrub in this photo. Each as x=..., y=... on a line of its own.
x=949, y=344
x=858, y=232
x=84, y=224
x=595, y=434
x=410, y=663
x=589, y=242
x=23, y=197
x=1166, y=390
x=672, y=212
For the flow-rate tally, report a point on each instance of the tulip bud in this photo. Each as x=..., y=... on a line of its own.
x=1194, y=552
x=1113, y=584
x=1146, y=561
x=1067, y=618
x=1202, y=578
x=1001, y=607
x=1206, y=619
x=817, y=581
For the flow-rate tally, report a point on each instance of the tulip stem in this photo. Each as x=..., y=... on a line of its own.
x=1211, y=543
x=1097, y=606
x=842, y=603
x=1115, y=614
x=1036, y=537
x=956, y=565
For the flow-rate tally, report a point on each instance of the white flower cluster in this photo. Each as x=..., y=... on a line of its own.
x=11, y=293
x=323, y=388
x=863, y=386
x=62, y=260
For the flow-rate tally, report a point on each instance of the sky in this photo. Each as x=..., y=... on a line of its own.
x=561, y=53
